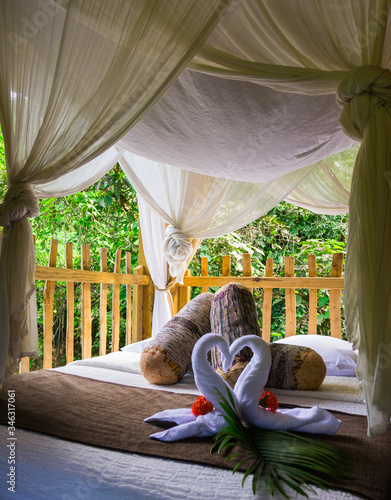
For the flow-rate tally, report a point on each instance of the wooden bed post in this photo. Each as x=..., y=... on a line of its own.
x=267, y=303
x=70, y=335
x=147, y=293
x=290, y=299
x=115, y=308
x=335, y=298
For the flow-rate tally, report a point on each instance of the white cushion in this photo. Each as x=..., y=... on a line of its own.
x=339, y=357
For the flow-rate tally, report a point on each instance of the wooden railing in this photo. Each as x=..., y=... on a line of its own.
x=334, y=283
x=137, y=282
x=134, y=302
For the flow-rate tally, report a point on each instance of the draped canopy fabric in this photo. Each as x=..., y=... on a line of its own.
x=237, y=130
x=75, y=76
x=250, y=121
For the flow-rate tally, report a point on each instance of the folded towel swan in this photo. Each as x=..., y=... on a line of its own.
x=246, y=394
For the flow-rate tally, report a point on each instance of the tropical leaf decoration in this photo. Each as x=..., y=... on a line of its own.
x=280, y=456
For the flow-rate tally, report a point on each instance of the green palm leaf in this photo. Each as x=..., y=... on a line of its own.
x=279, y=456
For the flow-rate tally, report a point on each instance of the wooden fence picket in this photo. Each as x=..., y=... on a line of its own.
x=70, y=333
x=137, y=313
x=103, y=304
x=204, y=272
x=267, y=304
x=312, y=298
x=128, y=300
x=48, y=299
x=247, y=266
x=86, y=323
x=184, y=293
x=290, y=299
x=226, y=265
x=24, y=365
x=115, y=305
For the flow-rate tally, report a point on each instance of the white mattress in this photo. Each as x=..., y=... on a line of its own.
x=49, y=468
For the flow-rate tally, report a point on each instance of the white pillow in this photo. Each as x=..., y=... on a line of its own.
x=339, y=357
x=137, y=346
x=119, y=361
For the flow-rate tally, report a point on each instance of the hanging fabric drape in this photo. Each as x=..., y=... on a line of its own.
x=237, y=130
x=313, y=61
x=326, y=189
x=200, y=206
x=61, y=107
x=75, y=76
x=284, y=59
x=153, y=230
x=365, y=96
x=193, y=206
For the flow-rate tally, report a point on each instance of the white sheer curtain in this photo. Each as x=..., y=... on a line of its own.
x=366, y=115
x=153, y=230
x=75, y=76
x=326, y=189
x=338, y=48
x=194, y=206
x=323, y=56
x=201, y=206
x=61, y=106
x=334, y=38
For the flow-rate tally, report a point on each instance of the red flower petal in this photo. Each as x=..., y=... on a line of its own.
x=201, y=406
x=269, y=401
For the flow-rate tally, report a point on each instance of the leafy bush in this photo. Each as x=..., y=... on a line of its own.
x=285, y=231
x=106, y=216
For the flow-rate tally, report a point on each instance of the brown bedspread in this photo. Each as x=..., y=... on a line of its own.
x=111, y=415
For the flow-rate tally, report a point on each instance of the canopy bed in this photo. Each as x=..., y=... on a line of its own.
x=216, y=111
x=59, y=462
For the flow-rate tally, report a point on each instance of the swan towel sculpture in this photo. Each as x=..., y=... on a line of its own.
x=246, y=394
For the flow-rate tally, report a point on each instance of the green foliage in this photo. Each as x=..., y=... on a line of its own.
x=103, y=215
x=279, y=457
x=285, y=231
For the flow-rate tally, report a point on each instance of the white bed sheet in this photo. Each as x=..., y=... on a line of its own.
x=49, y=468
x=336, y=393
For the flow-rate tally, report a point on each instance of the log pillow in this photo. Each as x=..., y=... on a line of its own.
x=232, y=315
x=293, y=367
x=168, y=356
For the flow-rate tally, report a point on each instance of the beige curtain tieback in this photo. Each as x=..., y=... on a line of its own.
x=169, y=285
